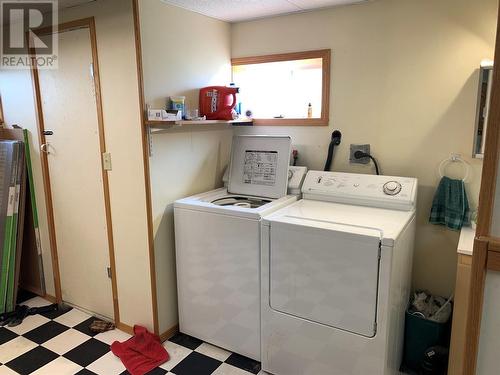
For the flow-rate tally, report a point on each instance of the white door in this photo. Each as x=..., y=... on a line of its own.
x=326, y=275
x=75, y=173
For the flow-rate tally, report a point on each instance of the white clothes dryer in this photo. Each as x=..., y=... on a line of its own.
x=336, y=276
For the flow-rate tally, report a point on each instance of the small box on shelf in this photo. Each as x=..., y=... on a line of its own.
x=160, y=115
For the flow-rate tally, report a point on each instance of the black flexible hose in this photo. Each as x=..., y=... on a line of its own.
x=335, y=141
x=375, y=163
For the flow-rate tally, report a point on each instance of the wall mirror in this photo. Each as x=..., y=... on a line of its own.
x=483, y=105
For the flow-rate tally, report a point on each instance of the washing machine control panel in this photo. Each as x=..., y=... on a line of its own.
x=361, y=189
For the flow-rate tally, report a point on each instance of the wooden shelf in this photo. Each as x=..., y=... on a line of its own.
x=163, y=125
x=159, y=123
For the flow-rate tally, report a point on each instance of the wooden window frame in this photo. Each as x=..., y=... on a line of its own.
x=325, y=55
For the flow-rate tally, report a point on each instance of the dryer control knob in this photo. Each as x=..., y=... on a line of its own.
x=392, y=188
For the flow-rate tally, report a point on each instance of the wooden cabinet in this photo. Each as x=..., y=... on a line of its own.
x=461, y=304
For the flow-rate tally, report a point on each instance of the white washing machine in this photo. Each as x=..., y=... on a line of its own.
x=336, y=276
x=217, y=238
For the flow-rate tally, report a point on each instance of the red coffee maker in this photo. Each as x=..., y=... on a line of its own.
x=218, y=102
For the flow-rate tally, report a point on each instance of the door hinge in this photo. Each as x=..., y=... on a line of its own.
x=380, y=250
x=108, y=270
x=150, y=141
x=106, y=161
x=91, y=70
x=374, y=328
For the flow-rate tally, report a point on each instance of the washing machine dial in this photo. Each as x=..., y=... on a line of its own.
x=392, y=188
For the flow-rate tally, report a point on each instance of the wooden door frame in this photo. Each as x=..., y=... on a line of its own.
x=486, y=254
x=68, y=26
x=147, y=182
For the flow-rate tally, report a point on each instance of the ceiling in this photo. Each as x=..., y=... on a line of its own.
x=63, y=4
x=242, y=10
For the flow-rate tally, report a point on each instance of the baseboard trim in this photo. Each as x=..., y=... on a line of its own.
x=169, y=333
x=125, y=328
x=163, y=337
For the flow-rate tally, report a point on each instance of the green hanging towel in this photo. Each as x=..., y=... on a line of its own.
x=450, y=206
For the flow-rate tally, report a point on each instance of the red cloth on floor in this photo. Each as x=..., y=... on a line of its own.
x=140, y=353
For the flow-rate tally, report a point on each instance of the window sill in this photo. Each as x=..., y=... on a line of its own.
x=290, y=122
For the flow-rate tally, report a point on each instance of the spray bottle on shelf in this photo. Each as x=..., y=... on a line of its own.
x=237, y=108
x=309, y=111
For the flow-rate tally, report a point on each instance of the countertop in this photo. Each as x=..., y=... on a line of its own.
x=466, y=241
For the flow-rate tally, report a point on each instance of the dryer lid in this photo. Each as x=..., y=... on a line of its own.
x=306, y=212
x=259, y=165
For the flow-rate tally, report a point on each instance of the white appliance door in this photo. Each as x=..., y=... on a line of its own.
x=218, y=279
x=326, y=274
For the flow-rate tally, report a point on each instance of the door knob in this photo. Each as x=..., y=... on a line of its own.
x=45, y=148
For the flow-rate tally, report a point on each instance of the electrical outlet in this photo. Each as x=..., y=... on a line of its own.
x=365, y=148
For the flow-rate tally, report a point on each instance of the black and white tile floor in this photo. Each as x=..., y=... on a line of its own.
x=61, y=343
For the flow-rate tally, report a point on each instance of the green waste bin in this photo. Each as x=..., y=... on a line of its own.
x=420, y=335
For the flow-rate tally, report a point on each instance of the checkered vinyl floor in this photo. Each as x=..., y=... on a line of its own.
x=61, y=343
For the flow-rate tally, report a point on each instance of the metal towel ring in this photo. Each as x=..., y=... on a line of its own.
x=454, y=158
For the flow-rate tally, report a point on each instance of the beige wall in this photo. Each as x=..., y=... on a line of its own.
x=404, y=79
x=182, y=51
x=120, y=96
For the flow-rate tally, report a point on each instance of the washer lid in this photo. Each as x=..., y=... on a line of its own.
x=259, y=165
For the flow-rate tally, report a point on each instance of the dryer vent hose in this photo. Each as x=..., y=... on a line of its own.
x=336, y=138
